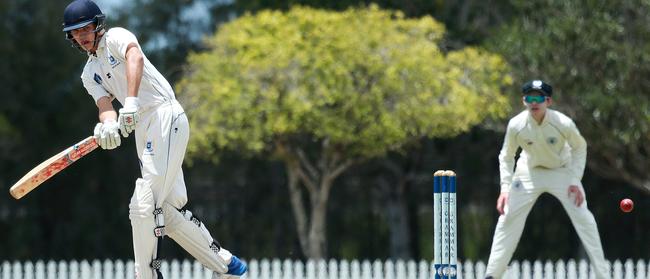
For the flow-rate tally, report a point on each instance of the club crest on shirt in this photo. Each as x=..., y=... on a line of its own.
x=97, y=79
x=113, y=61
x=148, y=149
x=551, y=140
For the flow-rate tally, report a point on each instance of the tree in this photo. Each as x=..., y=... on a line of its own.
x=306, y=88
x=596, y=56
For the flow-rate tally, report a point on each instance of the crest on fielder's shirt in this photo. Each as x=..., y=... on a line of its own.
x=97, y=79
x=551, y=140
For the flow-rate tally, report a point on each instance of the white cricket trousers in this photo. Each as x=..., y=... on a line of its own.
x=527, y=186
x=161, y=136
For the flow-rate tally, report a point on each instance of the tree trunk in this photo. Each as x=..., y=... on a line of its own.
x=318, y=182
x=298, y=206
x=398, y=217
x=393, y=185
x=317, y=230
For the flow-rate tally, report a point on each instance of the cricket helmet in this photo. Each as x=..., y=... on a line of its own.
x=80, y=13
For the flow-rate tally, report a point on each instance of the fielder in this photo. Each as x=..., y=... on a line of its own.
x=552, y=160
x=117, y=69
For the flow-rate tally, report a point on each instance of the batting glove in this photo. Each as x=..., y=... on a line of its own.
x=128, y=117
x=107, y=135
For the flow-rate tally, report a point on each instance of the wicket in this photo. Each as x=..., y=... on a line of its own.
x=444, y=224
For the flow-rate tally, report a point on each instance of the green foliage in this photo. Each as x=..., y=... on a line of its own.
x=6, y=130
x=364, y=80
x=595, y=53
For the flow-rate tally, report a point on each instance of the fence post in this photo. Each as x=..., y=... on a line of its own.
x=265, y=269
x=107, y=269
x=39, y=270
x=378, y=269
x=299, y=270
x=355, y=270
x=276, y=269
x=400, y=269
x=629, y=269
x=120, y=269
x=641, y=269
x=310, y=269
x=333, y=269
x=560, y=270
x=468, y=270
x=197, y=270
x=424, y=270
x=287, y=270
x=322, y=269
x=6, y=270
x=583, y=270
x=618, y=269
x=96, y=269
x=412, y=269
x=549, y=272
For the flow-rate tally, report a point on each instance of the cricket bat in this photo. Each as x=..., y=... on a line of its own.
x=52, y=166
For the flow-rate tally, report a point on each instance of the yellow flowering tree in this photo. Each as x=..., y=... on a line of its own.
x=322, y=91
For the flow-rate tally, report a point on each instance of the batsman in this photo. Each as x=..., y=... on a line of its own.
x=552, y=160
x=118, y=69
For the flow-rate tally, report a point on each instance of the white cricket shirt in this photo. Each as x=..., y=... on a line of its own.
x=105, y=72
x=555, y=143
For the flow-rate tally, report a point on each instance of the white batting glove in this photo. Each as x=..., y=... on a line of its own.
x=107, y=135
x=128, y=116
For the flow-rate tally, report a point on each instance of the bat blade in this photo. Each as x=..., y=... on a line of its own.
x=52, y=166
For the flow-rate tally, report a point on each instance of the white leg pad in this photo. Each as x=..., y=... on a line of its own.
x=142, y=226
x=194, y=237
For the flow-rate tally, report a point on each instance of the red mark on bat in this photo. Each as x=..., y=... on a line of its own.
x=77, y=151
x=51, y=170
x=81, y=150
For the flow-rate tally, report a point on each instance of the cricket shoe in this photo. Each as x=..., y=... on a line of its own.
x=236, y=270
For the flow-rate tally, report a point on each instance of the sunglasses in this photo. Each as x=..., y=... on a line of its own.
x=534, y=99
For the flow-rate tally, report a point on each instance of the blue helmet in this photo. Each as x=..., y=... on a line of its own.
x=79, y=14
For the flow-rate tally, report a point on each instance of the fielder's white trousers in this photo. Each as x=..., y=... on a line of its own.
x=527, y=186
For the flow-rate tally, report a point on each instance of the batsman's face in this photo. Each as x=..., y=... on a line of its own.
x=85, y=37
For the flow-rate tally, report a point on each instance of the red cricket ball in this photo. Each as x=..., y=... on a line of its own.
x=627, y=205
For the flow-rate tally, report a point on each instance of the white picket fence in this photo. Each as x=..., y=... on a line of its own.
x=332, y=269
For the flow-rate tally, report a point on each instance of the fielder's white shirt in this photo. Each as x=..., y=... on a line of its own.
x=555, y=143
x=105, y=72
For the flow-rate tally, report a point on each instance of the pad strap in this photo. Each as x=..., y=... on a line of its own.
x=214, y=245
x=159, y=232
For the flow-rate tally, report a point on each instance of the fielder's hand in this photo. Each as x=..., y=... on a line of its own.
x=107, y=135
x=502, y=201
x=575, y=191
x=128, y=116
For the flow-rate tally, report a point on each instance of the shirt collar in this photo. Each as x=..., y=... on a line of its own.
x=100, y=45
x=532, y=120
